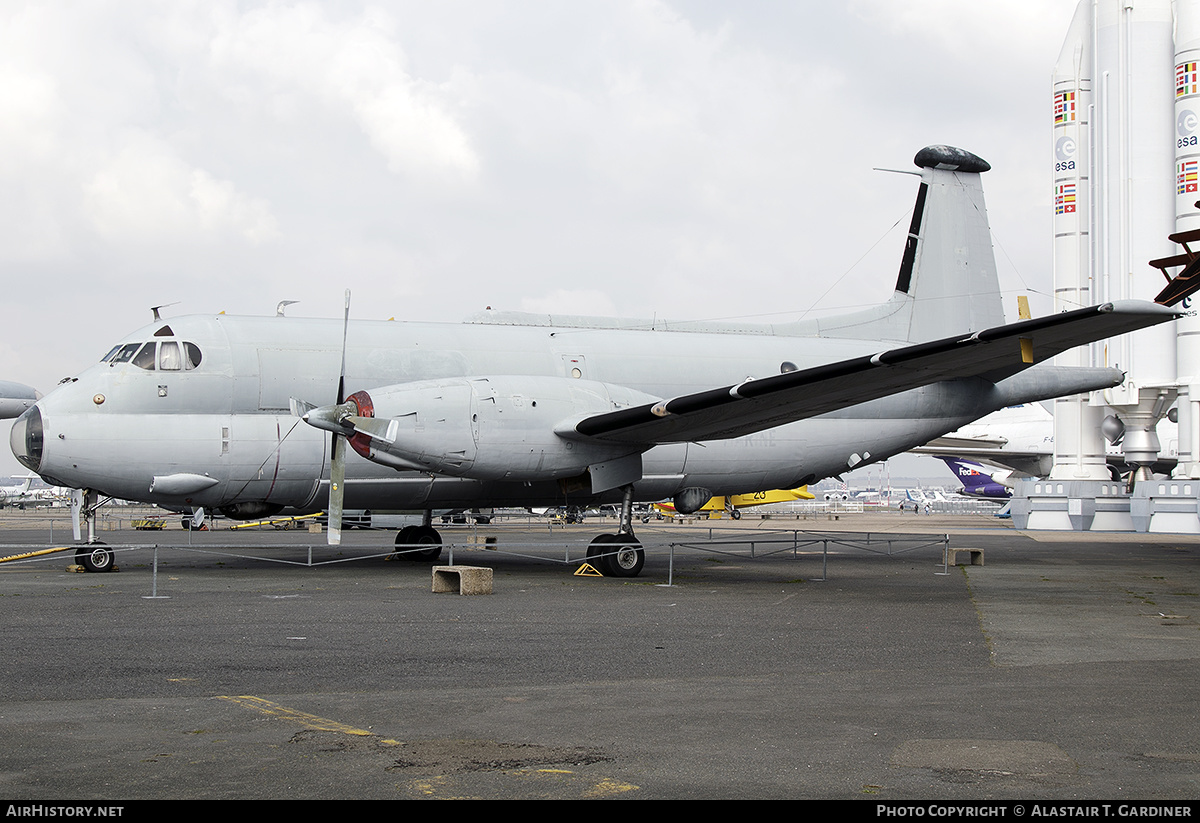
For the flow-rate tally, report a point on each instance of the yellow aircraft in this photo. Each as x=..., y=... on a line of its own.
x=735, y=502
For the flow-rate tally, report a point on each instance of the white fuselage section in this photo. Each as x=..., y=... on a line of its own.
x=219, y=432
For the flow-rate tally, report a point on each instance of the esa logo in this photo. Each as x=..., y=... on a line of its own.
x=1185, y=126
x=1064, y=154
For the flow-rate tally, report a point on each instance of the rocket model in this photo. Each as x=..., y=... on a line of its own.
x=1116, y=197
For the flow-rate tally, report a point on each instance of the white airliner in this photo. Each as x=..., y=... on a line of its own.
x=225, y=412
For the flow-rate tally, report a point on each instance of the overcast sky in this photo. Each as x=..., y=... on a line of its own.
x=679, y=159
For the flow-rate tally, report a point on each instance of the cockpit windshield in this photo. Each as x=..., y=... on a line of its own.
x=167, y=355
x=123, y=354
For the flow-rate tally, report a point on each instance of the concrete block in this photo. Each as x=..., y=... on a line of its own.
x=462, y=579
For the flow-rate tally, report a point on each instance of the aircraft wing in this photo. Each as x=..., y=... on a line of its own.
x=1023, y=463
x=755, y=405
x=948, y=445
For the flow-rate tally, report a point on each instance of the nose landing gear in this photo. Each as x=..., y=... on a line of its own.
x=93, y=556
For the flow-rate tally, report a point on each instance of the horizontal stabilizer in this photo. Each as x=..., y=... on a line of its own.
x=993, y=354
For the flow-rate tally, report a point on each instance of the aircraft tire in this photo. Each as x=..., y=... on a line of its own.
x=735, y=514
x=410, y=535
x=597, y=547
x=95, y=558
x=628, y=560
x=427, y=534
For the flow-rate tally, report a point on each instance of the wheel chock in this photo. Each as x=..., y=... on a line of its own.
x=588, y=570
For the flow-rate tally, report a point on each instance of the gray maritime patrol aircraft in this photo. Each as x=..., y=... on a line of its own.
x=509, y=409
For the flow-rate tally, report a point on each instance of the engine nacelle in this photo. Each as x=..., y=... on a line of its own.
x=251, y=510
x=692, y=499
x=491, y=428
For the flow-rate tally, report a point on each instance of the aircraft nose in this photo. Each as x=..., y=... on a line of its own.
x=26, y=438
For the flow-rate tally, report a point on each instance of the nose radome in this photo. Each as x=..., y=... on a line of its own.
x=25, y=439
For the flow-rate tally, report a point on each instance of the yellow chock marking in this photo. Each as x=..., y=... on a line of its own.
x=588, y=570
x=310, y=721
x=1026, y=350
x=37, y=553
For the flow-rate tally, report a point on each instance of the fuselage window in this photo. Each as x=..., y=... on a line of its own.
x=126, y=353
x=145, y=358
x=192, y=352
x=168, y=356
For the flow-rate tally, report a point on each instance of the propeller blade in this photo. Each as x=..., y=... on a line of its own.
x=341, y=396
x=337, y=463
x=337, y=480
x=385, y=430
x=299, y=408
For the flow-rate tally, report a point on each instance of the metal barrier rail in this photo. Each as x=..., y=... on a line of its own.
x=796, y=541
x=758, y=545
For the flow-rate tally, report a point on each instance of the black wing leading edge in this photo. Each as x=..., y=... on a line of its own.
x=992, y=354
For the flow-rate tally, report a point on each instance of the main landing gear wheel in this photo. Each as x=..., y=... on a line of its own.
x=627, y=560
x=419, y=535
x=95, y=558
x=598, y=546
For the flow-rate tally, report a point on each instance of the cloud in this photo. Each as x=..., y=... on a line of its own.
x=353, y=66
x=145, y=194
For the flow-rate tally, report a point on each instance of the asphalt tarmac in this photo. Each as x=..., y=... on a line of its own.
x=1063, y=668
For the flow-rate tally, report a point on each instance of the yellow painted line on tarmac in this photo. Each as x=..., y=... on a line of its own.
x=277, y=521
x=37, y=553
x=310, y=721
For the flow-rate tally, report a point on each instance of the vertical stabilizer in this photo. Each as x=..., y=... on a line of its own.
x=947, y=282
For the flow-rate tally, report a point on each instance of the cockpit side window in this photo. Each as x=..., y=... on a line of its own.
x=126, y=353
x=145, y=358
x=108, y=356
x=168, y=356
x=192, y=352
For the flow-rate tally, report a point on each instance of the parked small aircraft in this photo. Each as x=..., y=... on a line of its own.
x=22, y=495
x=534, y=410
x=19, y=493
x=734, y=503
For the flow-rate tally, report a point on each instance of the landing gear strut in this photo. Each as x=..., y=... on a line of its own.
x=620, y=554
x=94, y=557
